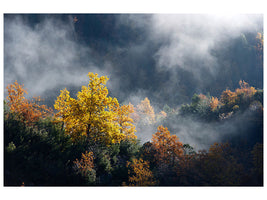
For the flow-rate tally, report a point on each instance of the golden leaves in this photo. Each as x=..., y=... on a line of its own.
x=94, y=114
x=228, y=97
x=139, y=173
x=231, y=98
x=123, y=118
x=245, y=89
x=214, y=103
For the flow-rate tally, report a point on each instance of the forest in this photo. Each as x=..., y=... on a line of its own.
x=133, y=100
x=90, y=140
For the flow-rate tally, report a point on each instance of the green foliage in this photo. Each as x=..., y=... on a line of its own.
x=188, y=150
x=148, y=152
x=37, y=155
x=258, y=96
x=110, y=162
x=91, y=177
x=125, y=151
x=167, y=109
x=11, y=147
x=200, y=108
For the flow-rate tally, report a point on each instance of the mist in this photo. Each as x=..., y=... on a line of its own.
x=45, y=56
x=138, y=52
x=190, y=39
x=201, y=135
x=165, y=57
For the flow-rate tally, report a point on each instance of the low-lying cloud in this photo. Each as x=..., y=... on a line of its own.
x=48, y=56
x=188, y=40
x=44, y=56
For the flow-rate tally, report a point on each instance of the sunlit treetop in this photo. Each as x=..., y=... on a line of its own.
x=228, y=97
x=145, y=111
x=28, y=111
x=214, y=103
x=125, y=121
x=93, y=115
x=245, y=91
x=168, y=146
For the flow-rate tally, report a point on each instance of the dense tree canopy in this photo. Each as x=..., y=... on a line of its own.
x=91, y=140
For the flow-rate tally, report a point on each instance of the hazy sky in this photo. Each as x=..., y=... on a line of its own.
x=162, y=56
x=51, y=52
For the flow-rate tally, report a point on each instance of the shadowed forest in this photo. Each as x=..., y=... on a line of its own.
x=182, y=106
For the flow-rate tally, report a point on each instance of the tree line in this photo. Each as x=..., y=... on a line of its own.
x=90, y=140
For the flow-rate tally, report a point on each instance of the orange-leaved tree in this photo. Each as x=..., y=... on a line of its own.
x=168, y=147
x=85, y=167
x=140, y=174
x=85, y=164
x=29, y=111
x=214, y=103
x=228, y=97
x=240, y=95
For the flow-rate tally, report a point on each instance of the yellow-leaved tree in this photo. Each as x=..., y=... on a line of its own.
x=144, y=112
x=93, y=115
x=125, y=121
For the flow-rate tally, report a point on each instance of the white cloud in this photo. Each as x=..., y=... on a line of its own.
x=189, y=39
x=44, y=56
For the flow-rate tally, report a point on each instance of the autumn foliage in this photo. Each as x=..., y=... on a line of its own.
x=94, y=115
x=145, y=112
x=86, y=163
x=214, y=103
x=245, y=89
x=209, y=108
x=91, y=140
x=29, y=111
x=140, y=174
x=125, y=121
x=229, y=97
x=241, y=96
x=168, y=147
